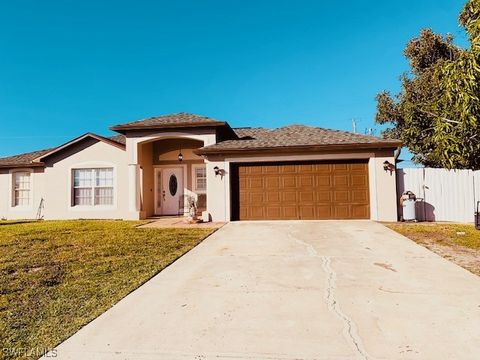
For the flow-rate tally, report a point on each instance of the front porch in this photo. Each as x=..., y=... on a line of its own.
x=173, y=179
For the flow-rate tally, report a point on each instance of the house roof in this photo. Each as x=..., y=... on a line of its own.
x=284, y=139
x=298, y=137
x=119, y=139
x=22, y=160
x=78, y=139
x=33, y=158
x=169, y=121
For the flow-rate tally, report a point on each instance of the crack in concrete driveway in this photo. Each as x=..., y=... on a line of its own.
x=333, y=305
x=350, y=328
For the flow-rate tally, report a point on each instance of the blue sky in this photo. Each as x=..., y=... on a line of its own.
x=69, y=67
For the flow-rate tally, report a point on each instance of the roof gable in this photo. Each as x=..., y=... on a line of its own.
x=34, y=158
x=109, y=141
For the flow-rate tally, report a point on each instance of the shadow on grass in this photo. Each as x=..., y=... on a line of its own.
x=15, y=222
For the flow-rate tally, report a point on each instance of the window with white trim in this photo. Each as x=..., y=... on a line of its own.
x=21, y=188
x=200, y=178
x=93, y=187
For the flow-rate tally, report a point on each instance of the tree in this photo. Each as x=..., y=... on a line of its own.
x=437, y=112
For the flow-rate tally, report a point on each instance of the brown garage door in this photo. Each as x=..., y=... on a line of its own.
x=319, y=190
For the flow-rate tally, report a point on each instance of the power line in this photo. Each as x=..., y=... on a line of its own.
x=38, y=137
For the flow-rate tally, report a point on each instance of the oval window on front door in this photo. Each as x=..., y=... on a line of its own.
x=173, y=185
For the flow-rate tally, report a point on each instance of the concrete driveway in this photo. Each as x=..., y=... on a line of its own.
x=294, y=290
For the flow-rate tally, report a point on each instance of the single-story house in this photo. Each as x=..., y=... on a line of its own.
x=163, y=165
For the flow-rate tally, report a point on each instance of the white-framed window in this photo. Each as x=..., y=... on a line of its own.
x=92, y=187
x=22, y=194
x=199, y=178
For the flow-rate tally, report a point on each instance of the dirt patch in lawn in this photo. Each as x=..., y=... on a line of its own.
x=458, y=243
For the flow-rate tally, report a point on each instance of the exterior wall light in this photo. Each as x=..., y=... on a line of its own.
x=219, y=171
x=388, y=166
x=180, y=156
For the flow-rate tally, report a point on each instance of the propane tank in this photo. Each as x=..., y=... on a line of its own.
x=407, y=201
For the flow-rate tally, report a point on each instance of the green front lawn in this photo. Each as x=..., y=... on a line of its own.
x=56, y=276
x=463, y=235
x=459, y=243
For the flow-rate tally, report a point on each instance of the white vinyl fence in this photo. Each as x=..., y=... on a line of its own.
x=446, y=195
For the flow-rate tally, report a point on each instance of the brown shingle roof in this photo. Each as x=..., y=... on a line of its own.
x=250, y=132
x=169, y=121
x=26, y=159
x=296, y=136
x=119, y=139
x=23, y=159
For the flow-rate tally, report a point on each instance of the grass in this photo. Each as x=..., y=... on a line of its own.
x=56, y=276
x=444, y=234
x=458, y=243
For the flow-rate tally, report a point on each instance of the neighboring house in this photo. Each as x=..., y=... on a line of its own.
x=293, y=172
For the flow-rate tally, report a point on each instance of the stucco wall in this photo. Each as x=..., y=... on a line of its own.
x=218, y=191
x=54, y=185
x=382, y=184
x=37, y=189
x=383, y=190
x=145, y=156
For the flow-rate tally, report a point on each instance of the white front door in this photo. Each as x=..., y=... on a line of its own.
x=169, y=190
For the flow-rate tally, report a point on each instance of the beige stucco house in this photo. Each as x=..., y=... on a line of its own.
x=162, y=165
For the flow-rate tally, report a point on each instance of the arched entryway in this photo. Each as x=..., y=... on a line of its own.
x=173, y=177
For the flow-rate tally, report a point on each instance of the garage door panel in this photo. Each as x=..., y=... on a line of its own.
x=323, y=169
x=273, y=197
x=307, y=181
x=243, y=213
x=313, y=190
x=255, y=183
x=324, y=212
x=307, y=212
x=290, y=212
x=289, y=181
x=324, y=180
x=307, y=196
x=256, y=197
x=340, y=180
x=359, y=180
x=306, y=168
x=357, y=167
x=287, y=169
x=271, y=169
x=340, y=168
x=359, y=196
x=244, y=198
x=256, y=170
x=272, y=182
x=274, y=212
x=341, y=212
x=324, y=196
x=341, y=196
x=257, y=212
x=289, y=196
x=360, y=211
